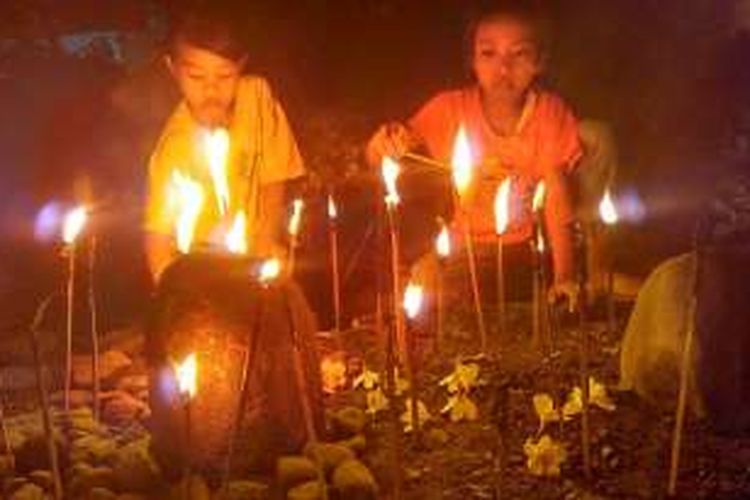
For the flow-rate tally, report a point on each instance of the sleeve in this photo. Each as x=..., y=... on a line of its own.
x=281, y=157
x=435, y=124
x=167, y=156
x=561, y=137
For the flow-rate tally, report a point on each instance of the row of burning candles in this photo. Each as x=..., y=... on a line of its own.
x=186, y=197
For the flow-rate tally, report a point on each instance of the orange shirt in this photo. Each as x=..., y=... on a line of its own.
x=262, y=151
x=545, y=145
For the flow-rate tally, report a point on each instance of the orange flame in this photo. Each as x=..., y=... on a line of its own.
x=607, y=210
x=332, y=212
x=462, y=161
x=236, y=238
x=187, y=372
x=73, y=224
x=296, y=219
x=217, y=150
x=269, y=270
x=443, y=242
x=413, y=297
x=540, y=193
x=187, y=198
x=390, y=170
x=502, y=206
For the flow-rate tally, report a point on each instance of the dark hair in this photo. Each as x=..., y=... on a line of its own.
x=210, y=28
x=529, y=12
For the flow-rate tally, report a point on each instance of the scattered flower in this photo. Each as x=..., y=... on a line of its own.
x=545, y=409
x=376, y=401
x=543, y=458
x=423, y=415
x=460, y=407
x=597, y=397
x=333, y=373
x=464, y=378
x=367, y=380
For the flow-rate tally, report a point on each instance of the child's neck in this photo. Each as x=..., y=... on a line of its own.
x=502, y=114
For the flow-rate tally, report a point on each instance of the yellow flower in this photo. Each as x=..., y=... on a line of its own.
x=463, y=378
x=597, y=397
x=545, y=409
x=376, y=401
x=543, y=458
x=423, y=415
x=460, y=407
x=367, y=380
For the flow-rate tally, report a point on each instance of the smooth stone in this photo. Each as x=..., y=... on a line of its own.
x=328, y=455
x=354, y=481
x=306, y=491
x=293, y=470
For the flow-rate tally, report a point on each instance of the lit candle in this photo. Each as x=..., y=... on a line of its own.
x=390, y=171
x=295, y=222
x=462, y=167
x=73, y=224
x=538, y=249
x=333, y=238
x=187, y=385
x=502, y=219
x=609, y=216
x=413, y=297
x=443, y=250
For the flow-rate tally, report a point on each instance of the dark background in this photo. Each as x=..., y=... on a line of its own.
x=670, y=76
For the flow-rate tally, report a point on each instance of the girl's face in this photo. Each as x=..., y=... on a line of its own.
x=506, y=58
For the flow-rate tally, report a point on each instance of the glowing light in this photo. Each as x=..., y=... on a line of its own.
x=540, y=193
x=332, y=212
x=540, y=245
x=73, y=224
x=607, y=210
x=443, y=242
x=413, y=297
x=236, y=238
x=269, y=270
x=296, y=219
x=187, y=372
x=186, y=196
x=502, y=206
x=390, y=170
x=462, y=161
x=216, y=145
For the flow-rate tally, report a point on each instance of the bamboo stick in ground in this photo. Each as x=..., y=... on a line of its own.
x=685, y=374
x=70, y=290
x=43, y=397
x=6, y=437
x=471, y=257
x=95, y=387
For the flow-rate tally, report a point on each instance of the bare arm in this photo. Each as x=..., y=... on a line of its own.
x=269, y=233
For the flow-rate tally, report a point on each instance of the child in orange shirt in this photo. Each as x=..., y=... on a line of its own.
x=514, y=126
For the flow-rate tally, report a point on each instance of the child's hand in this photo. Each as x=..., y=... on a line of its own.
x=392, y=139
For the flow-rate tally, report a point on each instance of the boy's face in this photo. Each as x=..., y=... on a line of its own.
x=208, y=82
x=506, y=58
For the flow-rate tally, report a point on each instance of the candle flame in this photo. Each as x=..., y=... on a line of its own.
x=540, y=245
x=269, y=270
x=332, y=212
x=540, y=193
x=296, y=219
x=413, y=297
x=502, y=206
x=187, y=197
x=187, y=372
x=73, y=224
x=462, y=161
x=607, y=209
x=236, y=238
x=443, y=242
x=217, y=151
x=390, y=170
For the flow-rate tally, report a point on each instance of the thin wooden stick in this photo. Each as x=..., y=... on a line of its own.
x=69, y=324
x=501, y=286
x=475, y=284
x=398, y=316
x=440, y=305
x=333, y=235
x=611, y=318
x=6, y=437
x=94, y=330
x=685, y=374
x=43, y=397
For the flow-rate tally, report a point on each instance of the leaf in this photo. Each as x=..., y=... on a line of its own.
x=376, y=401
x=367, y=380
x=545, y=409
x=544, y=457
x=423, y=415
x=463, y=378
x=460, y=407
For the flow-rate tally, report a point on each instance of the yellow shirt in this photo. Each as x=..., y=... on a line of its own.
x=262, y=151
